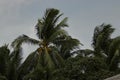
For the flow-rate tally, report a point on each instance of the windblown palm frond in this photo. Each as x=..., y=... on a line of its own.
x=28, y=65
x=57, y=34
x=66, y=45
x=86, y=52
x=114, y=52
x=56, y=57
x=48, y=61
x=23, y=39
x=114, y=61
x=14, y=63
x=63, y=23
x=102, y=38
x=16, y=56
x=47, y=25
x=39, y=28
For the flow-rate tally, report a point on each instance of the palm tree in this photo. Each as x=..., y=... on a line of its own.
x=9, y=63
x=51, y=38
x=107, y=47
x=101, y=40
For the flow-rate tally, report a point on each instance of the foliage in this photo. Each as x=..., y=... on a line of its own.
x=84, y=68
x=53, y=42
x=54, y=58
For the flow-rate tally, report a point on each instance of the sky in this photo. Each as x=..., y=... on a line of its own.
x=19, y=17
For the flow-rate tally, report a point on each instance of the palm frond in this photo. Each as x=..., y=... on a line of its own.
x=48, y=61
x=16, y=56
x=63, y=23
x=115, y=45
x=69, y=43
x=57, y=58
x=104, y=30
x=66, y=45
x=46, y=25
x=114, y=61
x=28, y=65
x=57, y=34
x=102, y=39
x=39, y=28
x=23, y=39
x=56, y=18
x=84, y=52
x=49, y=19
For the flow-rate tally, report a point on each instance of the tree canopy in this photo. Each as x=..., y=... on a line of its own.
x=58, y=55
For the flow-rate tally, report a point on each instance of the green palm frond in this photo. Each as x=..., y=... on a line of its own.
x=48, y=24
x=14, y=64
x=23, y=39
x=63, y=23
x=57, y=58
x=28, y=65
x=57, y=34
x=69, y=43
x=115, y=45
x=66, y=45
x=114, y=61
x=39, y=28
x=48, y=61
x=102, y=38
x=86, y=52
x=51, y=16
x=48, y=20
x=57, y=18
x=16, y=56
x=103, y=30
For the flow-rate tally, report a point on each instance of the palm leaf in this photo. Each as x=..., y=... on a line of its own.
x=39, y=28
x=58, y=60
x=56, y=18
x=48, y=20
x=115, y=44
x=114, y=61
x=63, y=23
x=56, y=34
x=28, y=65
x=48, y=61
x=23, y=39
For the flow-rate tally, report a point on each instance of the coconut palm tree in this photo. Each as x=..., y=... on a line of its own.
x=105, y=46
x=51, y=37
x=102, y=39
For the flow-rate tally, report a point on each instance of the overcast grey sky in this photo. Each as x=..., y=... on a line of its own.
x=20, y=16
